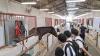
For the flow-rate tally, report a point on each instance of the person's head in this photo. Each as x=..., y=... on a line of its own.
x=75, y=32
x=67, y=33
x=59, y=51
x=82, y=24
x=62, y=38
x=58, y=30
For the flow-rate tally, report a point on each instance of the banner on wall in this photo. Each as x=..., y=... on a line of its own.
x=89, y=21
x=31, y=22
x=96, y=23
x=82, y=22
x=56, y=21
x=79, y=21
x=48, y=21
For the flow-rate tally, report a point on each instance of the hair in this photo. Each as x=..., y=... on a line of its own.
x=62, y=38
x=59, y=51
x=67, y=33
x=82, y=24
x=75, y=31
x=58, y=30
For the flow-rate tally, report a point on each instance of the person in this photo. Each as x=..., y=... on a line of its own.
x=71, y=40
x=82, y=31
x=59, y=51
x=67, y=46
x=80, y=42
x=68, y=35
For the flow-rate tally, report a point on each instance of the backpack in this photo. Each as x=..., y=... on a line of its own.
x=58, y=53
x=68, y=45
x=75, y=46
x=85, y=46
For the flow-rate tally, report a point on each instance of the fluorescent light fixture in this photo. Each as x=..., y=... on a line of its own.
x=72, y=8
x=82, y=15
x=44, y=9
x=74, y=1
x=28, y=3
x=51, y=12
x=95, y=10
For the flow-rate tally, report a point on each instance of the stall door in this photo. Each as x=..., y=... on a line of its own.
x=9, y=30
x=2, y=37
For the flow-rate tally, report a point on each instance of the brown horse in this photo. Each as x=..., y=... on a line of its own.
x=40, y=31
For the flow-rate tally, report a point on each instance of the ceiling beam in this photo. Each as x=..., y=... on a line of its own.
x=49, y=3
x=58, y=11
x=58, y=5
x=57, y=8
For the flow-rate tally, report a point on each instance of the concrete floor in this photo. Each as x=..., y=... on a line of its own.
x=92, y=48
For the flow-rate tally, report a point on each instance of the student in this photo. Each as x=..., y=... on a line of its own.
x=71, y=40
x=82, y=31
x=79, y=41
x=59, y=51
x=68, y=35
x=67, y=48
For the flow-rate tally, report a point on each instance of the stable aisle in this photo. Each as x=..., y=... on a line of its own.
x=92, y=48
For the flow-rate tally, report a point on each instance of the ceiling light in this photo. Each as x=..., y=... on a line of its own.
x=72, y=8
x=44, y=9
x=95, y=10
x=73, y=1
x=51, y=12
x=82, y=15
x=28, y=3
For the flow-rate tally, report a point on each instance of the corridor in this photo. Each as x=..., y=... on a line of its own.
x=32, y=27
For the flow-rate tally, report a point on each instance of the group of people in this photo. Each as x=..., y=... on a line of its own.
x=72, y=43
